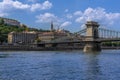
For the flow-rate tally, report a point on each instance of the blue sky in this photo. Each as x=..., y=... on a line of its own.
x=66, y=14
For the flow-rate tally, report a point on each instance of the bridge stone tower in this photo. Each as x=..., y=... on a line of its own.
x=91, y=43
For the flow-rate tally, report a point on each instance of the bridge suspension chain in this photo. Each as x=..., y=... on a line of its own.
x=105, y=33
x=81, y=32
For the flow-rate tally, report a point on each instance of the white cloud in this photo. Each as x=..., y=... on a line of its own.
x=67, y=23
x=66, y=10
x=77, y=13
x=9, y=5
x=31, y=0
x=98, y=14
x=20, y=5
x=46, y=18
x=83, y=26
x=3, y=14
x=35, y=6
x=45, y=5
x=69, y=16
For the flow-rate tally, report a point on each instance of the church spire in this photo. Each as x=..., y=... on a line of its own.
x=52, y=27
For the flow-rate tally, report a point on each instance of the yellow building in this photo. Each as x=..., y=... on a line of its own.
x=52, y=35
x=49, y=36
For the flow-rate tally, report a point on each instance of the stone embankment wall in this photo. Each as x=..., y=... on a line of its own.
x=35, y=48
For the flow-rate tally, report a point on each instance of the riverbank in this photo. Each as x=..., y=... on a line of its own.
x=34, y=48
x=110, y=47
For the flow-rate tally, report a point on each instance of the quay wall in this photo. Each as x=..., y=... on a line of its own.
x=34, y=48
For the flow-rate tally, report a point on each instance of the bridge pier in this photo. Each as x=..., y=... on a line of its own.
x=91, y=43
x=92, y=46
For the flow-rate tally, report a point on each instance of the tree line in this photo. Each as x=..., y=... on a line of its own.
x=111, y=44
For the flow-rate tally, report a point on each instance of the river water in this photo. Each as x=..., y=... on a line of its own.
x=60, y=65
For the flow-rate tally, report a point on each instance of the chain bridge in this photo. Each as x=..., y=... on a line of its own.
x=92, y=36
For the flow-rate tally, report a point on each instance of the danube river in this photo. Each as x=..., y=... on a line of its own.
x=60, y=65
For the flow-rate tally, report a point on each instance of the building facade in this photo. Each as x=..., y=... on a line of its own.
x=31, y=37
x=22, y=37
x=51, y=36
x=11, y=22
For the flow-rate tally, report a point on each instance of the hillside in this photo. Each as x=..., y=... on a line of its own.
x=5, y=29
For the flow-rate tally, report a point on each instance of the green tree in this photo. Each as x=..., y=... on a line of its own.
x=1, y=21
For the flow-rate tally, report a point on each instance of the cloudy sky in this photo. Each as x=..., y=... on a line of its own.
x=65, y=14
